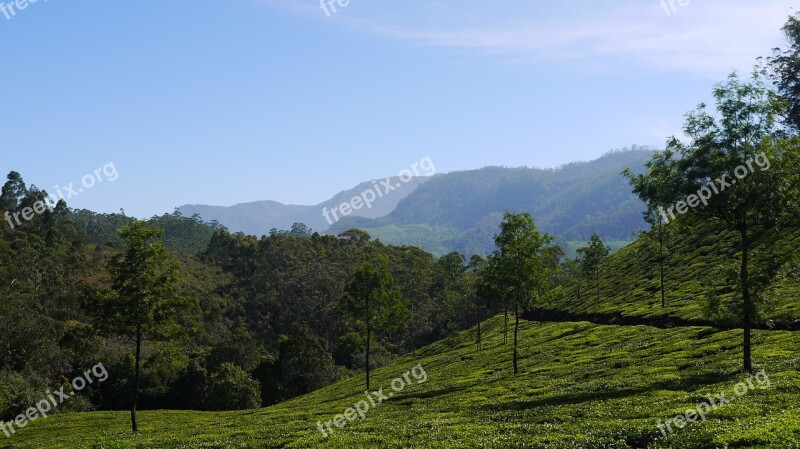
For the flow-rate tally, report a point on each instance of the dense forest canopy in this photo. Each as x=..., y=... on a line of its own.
x=270, y=307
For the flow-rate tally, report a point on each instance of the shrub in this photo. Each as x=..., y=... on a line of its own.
x=351, y=346
x=231, y=388
x=304, y=363
x=18, y=392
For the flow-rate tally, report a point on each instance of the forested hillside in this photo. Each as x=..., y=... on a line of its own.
x=270, y=307
x=700, y=266
x=460, y=211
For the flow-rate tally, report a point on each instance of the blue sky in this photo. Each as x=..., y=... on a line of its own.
x=228, y=101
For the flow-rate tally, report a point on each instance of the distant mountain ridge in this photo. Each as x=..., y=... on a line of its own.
x=257, y=218
x=460, y=211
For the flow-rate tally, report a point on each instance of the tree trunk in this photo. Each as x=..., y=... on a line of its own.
x=597, y=281
x=661, y=265
x=516, y=332
x=136, y=377
x=505, y=327
x=478, y=316
x=479, y=335
x=369, y=337
x=748, y=306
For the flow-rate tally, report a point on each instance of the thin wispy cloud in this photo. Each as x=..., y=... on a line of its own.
x=704, y=37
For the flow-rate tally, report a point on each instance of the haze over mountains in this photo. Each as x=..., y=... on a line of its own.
x=257, y=218
x=460, y=211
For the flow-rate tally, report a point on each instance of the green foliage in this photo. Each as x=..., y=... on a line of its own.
x=185, y=236
x=742, y=139
x=593, y=254
x=784, y=68
x=298, y=230
x=190, y=390
x=348, y=347
x=142, y=303
x=142, y=300
x=703, y=255
x=591, y=258
x=519, y=271
x=372, y=302
x=231, y=388
x=304, y=364
x=432, y=238
x=18, y=392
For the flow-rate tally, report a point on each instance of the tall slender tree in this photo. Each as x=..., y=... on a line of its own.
x=738, y=169
x=142, y=304
x=476, y=263
x=372, y=300
x=593, y=256
x=518, y=271
x=659, y=234
x=654, y=189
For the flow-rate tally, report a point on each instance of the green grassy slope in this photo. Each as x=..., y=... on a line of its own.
x=581, y=386
x=629, y=280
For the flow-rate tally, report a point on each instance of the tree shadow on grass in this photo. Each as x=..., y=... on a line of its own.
x=577, y=331
x=402, y=397
x=684, y=385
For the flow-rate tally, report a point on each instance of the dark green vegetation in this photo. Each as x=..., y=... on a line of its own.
x=76, y=293
x=371, y=300
x=142, y=302
x=580, y=386
x=590, y=258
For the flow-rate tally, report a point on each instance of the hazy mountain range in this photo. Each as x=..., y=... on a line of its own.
x=460, y=211
x=259, y=217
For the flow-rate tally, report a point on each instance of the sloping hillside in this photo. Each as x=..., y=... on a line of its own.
x=461, y=211
x=581, y=386
x=697, y=269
